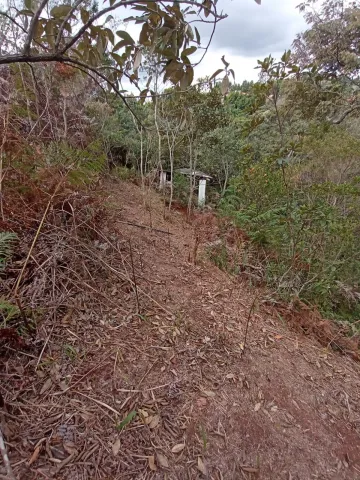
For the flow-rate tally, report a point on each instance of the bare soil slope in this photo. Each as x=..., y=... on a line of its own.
x=285, y=408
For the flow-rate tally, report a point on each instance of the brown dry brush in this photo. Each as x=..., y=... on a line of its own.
x=45, y=103
x=57, y=223
x=65, y=258
x=308, y=320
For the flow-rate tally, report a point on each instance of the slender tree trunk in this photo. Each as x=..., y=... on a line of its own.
x=191, y=177
x=142, y=159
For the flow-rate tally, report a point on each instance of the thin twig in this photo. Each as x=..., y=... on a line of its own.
x=248, y=322
x=102, y=365
x=99, y=403
x=44, y=346
x=5, y=457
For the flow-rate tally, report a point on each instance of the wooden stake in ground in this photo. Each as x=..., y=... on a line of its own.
x=5, y=457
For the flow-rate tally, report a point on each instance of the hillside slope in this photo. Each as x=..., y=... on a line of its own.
x=285, y=408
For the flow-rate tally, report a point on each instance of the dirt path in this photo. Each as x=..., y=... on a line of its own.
x=286, y=408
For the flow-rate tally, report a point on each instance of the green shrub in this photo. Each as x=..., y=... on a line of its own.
x=124, y=173
x=181, y=188
x=7, y=240
x=307, y=236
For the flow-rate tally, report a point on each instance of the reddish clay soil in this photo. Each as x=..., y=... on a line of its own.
x=281, y=407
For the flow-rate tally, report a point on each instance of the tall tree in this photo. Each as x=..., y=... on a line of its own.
x=331, y=46
x=78, y=34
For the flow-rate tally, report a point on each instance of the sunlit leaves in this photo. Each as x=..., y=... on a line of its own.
x=85, y=15
x=126, y=37
x=28, y=4
x=118, y=59
x=60, y=11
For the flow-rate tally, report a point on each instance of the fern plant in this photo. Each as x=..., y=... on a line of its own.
x=7, y=240
x=8, y=311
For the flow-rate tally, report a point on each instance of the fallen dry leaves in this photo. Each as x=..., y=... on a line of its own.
x=170, y=391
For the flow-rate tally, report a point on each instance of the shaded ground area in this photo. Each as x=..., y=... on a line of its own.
x=283, y=408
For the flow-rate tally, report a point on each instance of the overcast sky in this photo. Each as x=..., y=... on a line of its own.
x=251, y=32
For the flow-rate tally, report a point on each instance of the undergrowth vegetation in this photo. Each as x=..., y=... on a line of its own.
x=307, y=236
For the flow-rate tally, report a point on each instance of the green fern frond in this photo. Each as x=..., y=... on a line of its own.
x=7, y=240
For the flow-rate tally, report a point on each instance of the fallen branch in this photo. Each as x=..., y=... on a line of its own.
x=145, y=226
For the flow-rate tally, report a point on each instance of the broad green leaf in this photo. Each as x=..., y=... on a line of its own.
x=186, y=60
x=207, y=7
x=188, y=51
x=187, y=78
x=125, y=36
x=117, y=58
x=60, y=11
x=189, y=32
x=232, y=73
x=28, y=4
x=108, y=18
x=167, y=52
x=110, y=35
x=120, y=44
x=144, y=35
x=197, y=36
x=216, y=73
x=85, y=15
x=101, y=43
x=67, y=27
